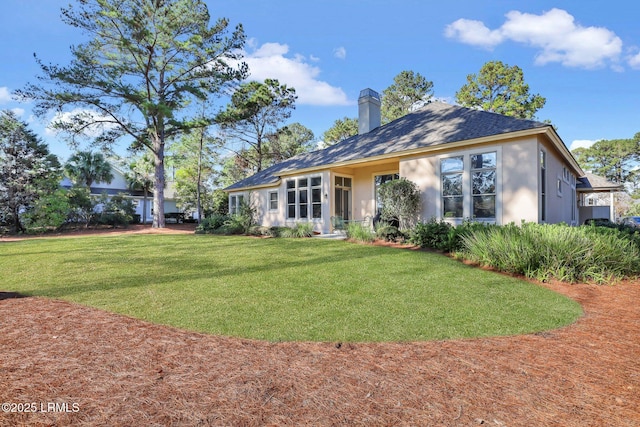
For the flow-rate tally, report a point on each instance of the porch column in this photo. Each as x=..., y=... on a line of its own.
x=612, y=210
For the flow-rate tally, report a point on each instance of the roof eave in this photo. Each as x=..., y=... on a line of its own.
x=562, y=148
x=545, y=130
x=253, y=187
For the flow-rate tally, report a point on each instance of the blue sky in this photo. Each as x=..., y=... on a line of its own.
x=584, y=57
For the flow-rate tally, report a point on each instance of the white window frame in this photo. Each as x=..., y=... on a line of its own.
x=297, y=190
x=495, y=188
x=235, y=201
x=375, y=188
x=467, y=185
x=269, y=201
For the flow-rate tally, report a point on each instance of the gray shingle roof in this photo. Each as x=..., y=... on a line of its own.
x=594, y=183
x=435, y=124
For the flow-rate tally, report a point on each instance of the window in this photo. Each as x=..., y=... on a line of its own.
x=342, y=201
x=273, y=200
x=316, y=197
x=291, y=199
x=235, y=203
x=451, y=170
x=378, y=181
x=304, y=198
x=483, y=179
x=559, y=187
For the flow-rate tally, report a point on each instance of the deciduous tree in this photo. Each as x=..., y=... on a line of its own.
x=145, y=62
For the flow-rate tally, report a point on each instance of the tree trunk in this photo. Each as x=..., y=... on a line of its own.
x=198, y=195
x=144, y=205
x=158, y=190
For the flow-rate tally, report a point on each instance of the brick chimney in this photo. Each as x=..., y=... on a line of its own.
x=368, y=111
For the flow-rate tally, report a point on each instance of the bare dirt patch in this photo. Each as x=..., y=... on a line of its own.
x=122, y=371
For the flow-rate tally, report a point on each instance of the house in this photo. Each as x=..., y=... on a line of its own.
x=467, y=164
x=120, y=185
x=596, y=197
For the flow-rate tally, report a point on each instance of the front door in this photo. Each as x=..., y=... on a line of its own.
x=342, y=201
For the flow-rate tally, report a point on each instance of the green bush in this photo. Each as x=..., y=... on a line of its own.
x=210, y=224
x=240, y=223
x=543, y=252
x=442, y=236
x=49, y=212
x=358, y=232
x=262, y=231
x=400, y=200
x=300, y=230
x=432, y=234
x=116, y=210
x=389, y=233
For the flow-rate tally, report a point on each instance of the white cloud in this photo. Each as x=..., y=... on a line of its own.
x=270, y=61
x=634, y=61
x=340, y=52
x=555, y=33
x=18, y=111
x=474, y=33
x=582, y=143
x=91, y=131
x=5, y=95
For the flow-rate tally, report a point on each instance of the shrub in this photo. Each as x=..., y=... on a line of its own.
x=116, y=210
x=300, y=230
x=431, y=234
x=49, y=212
x=400, y=200
x=571, y=254
x=389, y=233
x=262, y=231
x=243, y=220
x=81, y=206
x=442, y=236
x=210, y=224
x=358, y=232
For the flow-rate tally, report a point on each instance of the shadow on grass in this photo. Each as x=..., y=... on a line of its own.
x=10, y=295
x=175, y=269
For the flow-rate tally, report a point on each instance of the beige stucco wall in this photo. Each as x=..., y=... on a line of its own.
x=517, y=195
x=518, y=178
x=559, y=203
x=364, y=188
x=268, y=218
x=520, y=175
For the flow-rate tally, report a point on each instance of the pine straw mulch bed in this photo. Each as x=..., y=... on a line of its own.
x=107, y=369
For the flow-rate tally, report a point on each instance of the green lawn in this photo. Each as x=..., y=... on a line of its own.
x=282, y=289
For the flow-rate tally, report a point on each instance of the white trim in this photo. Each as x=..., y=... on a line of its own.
x=269, y=208
x=373, y=183
x=467, y=190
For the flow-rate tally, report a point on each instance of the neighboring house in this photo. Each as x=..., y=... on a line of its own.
x=467, y=164
x=596, y=197
x=120, y=185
